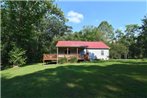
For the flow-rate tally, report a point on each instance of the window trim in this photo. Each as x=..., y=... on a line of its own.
x=102, y=52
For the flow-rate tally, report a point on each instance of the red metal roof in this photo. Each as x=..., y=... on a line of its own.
x=87, y=44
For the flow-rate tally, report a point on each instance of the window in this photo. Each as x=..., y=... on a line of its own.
x=102, y=52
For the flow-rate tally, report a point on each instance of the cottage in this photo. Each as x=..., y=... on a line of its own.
x=94, y=50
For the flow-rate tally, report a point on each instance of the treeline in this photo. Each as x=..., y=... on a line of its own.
x=31, y=28
x=130, y=43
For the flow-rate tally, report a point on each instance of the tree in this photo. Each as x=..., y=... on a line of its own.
x=142, y=39
x=118, y=51
x=88, y=33
x=107, y=29
x=25, y=23
x=132, y=32
x=91, y=33
x=118, y=35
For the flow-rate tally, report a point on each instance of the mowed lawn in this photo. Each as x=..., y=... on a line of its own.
x=110, y=79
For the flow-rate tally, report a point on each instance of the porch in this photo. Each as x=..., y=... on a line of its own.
x=53, y=57
x=67, y=52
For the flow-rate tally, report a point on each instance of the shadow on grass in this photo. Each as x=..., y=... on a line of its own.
x=114, y=81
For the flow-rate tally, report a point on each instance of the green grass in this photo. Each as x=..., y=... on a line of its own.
x=111, y=79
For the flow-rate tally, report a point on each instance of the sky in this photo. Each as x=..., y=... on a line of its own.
x=118, y=13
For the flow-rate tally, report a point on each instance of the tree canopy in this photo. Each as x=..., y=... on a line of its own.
x=30, y=25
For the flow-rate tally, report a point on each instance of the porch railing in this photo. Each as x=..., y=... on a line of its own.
x=54, y=56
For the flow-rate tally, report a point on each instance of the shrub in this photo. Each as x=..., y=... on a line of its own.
x=62, y=60
x=17, y=56
x=73, y=60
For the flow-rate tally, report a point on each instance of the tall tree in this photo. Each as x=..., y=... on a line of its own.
x=118, y=50
x=91, y=33
x=132, y=32
x=142, y=39
x=118, y=34
x=21, y=25
x=107, y=29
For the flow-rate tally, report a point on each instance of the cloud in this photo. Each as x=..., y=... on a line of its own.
x=75, y=17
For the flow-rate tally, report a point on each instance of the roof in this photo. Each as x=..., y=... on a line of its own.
x=87, y=44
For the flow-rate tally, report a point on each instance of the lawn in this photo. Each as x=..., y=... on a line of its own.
x=110, y=79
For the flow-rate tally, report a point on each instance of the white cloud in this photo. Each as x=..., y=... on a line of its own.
x=75, y=17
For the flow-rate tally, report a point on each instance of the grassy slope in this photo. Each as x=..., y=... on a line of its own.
x=115, y=79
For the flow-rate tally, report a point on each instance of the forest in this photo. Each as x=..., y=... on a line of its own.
x=31, y=28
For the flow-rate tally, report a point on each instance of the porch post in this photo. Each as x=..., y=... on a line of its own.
x=67, y=55
x=86, y=50
x=77, y=52
x=67, y=51
x=57, y=55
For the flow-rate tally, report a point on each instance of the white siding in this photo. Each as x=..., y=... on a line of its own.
x=96, y=53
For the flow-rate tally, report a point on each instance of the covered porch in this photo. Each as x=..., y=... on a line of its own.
x=67, y=52
x=70, y=52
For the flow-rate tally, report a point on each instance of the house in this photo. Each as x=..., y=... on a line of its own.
x=94, y=50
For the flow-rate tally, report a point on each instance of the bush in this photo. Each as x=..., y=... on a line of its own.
x=73, y=60
x=62, y=60
x=17, y=56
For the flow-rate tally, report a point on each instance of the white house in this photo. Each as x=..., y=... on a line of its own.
x=95, y=50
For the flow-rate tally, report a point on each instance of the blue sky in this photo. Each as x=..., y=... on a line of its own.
x=118, y=14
